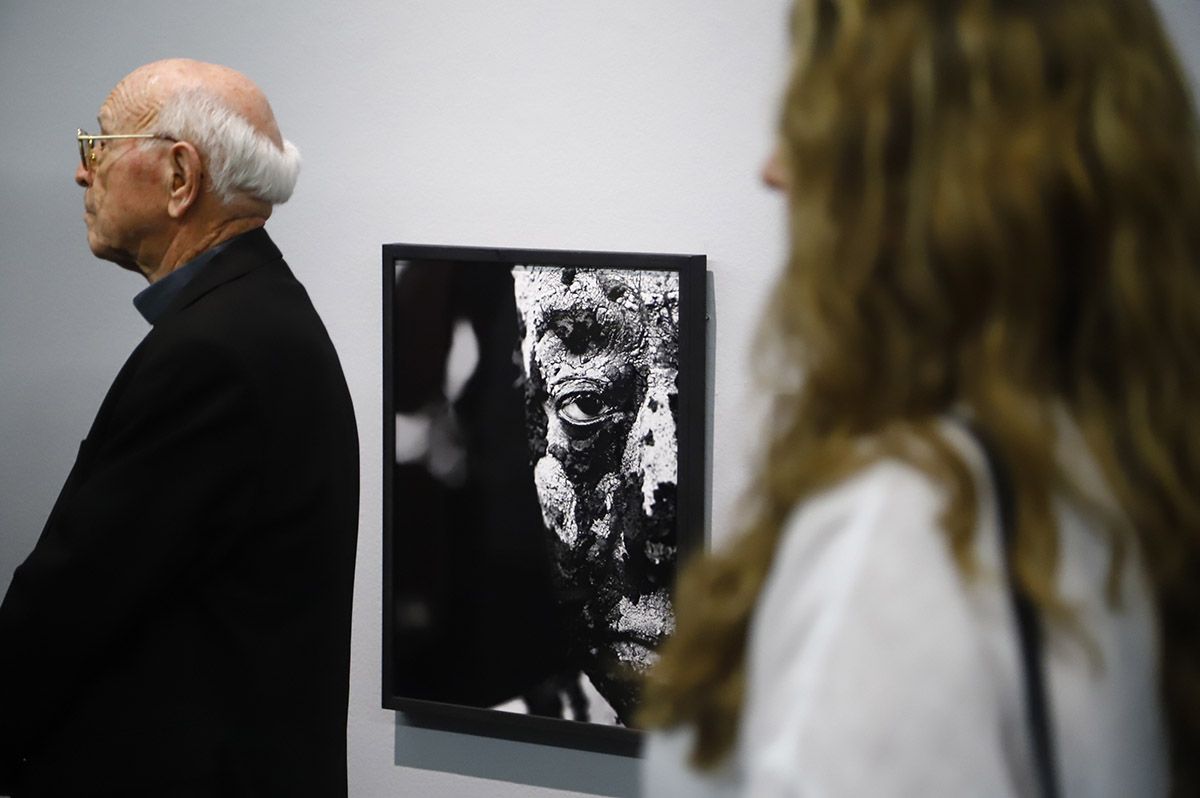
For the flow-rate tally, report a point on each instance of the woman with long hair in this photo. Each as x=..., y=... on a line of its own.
x=989, y=322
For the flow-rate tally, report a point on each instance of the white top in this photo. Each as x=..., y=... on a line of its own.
x=876, y=669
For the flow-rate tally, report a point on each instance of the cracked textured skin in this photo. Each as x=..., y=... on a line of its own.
x=599, y=351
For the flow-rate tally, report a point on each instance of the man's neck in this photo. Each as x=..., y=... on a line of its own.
x=184, y=247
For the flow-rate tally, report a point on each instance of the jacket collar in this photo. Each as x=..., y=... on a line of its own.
x=239, y=256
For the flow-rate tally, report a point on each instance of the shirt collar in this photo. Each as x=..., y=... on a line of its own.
x=153, y=300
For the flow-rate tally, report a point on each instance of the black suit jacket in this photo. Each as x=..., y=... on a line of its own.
x=182, y=627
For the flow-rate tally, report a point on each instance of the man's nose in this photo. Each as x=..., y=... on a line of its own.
x=83, y=177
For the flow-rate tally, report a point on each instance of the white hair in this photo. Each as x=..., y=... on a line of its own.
x=240, y=159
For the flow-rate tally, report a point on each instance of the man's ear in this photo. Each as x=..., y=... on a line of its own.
x=186, y=175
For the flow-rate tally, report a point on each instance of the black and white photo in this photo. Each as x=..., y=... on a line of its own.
x=544, y=447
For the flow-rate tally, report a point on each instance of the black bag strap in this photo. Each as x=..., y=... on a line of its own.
x=1029, y=630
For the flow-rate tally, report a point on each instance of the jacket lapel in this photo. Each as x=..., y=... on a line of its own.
x=242, y=255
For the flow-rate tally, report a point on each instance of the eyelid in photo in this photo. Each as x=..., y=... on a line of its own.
x=584, y=403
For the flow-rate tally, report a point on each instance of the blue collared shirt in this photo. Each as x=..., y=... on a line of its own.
x=153, y=300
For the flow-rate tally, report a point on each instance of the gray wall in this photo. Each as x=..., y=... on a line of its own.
x=629, y=124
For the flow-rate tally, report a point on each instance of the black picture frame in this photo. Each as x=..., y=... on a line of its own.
x=689, y=413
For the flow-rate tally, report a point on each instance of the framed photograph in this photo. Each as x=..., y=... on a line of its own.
x=543, y=419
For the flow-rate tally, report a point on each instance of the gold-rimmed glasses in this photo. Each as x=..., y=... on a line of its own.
x=87, y=143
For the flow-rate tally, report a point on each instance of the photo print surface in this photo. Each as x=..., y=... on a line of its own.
x=544, y=450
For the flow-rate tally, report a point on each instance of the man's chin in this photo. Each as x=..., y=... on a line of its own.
x=111, y=255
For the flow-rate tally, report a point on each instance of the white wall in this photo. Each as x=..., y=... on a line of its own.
x=627, y=124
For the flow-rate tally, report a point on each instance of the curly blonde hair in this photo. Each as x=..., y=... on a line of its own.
x=995, y=204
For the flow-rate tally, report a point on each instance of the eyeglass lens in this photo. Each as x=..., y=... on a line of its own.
x=87, y=152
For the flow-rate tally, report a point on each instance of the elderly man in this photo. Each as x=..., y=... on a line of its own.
x=182, y=626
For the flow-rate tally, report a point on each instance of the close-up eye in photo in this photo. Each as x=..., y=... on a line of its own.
x=582, y=407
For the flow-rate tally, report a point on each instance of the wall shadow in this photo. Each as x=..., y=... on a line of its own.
x=516, y=762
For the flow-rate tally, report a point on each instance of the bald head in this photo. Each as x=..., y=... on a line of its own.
x=142, y=93
x=218, y=110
